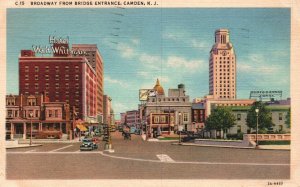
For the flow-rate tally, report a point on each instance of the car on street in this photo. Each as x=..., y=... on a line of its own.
x=138, y=132
x=88, y=144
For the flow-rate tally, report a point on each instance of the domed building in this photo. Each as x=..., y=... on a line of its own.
x=158, y=88
x=163, y=114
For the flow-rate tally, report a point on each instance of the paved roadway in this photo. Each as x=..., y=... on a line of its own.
x=137, y=159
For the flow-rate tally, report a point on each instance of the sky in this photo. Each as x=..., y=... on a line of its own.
x=172, y=44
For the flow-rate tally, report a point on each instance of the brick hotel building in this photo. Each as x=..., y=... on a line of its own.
x=76, y=80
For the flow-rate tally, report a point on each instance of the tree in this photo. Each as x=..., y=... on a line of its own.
x=288, y=119
x=264, y=117
x=220, y=118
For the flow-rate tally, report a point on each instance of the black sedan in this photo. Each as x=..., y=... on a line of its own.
x=88, y=144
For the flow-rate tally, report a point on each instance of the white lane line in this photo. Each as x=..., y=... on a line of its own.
x=82, y=152
x=187, y=162
x=164, y=158
x=61, y=148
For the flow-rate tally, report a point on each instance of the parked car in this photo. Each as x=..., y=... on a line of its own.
x=132, y=130
x=138, y=132
x=88, y=144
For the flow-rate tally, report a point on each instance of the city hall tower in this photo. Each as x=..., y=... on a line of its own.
x=222, y=67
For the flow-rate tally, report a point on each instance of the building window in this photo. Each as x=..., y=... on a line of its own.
x=36, y=86
x=57, y=68
x=156, y=119
x=67, y=68
x=185, y=117
x=10, y=102
x=36, y=77
x=76, y=77
x=280, y=116
x=27, y=77
x=26, y=68
x=32, y=102
x=57, y=77
x=47, y=77
x=50, y=113
x=26, y=85
x=239, y=129
x=56, y=113
x=238, y=117
x=56, y=85
x=66, y=77
x=76, y=69
x=47, y=86
x=162, y=119
x=36, y=68
x=47, y=68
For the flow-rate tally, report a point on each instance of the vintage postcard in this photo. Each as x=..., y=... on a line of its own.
x=149, y=93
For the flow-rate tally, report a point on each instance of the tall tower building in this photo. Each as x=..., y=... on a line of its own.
x=222, y=67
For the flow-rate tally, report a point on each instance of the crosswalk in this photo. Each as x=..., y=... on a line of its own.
x=164, y=158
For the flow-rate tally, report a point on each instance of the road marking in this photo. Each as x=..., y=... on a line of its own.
x=187, y=162
x=165, y=158
x=61, y=148
x=82, y=152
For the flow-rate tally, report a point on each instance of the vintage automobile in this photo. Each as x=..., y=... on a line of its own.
x=88, y=144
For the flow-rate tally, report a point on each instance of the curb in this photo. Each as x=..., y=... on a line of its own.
x=25, y=146
x=202, y=145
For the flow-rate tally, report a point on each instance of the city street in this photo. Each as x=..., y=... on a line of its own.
x=138, y=159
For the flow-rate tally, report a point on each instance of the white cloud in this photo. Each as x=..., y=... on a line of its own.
x=180, y=62
x=143, y=74
x=115, y=81
x=150, y=62
x=257, y=64
x=135, y=41
x=198, y=44
x=126, y=50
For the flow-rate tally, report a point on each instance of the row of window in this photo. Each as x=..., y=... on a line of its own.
x=47, y=85
x=239, y=117
x=57, y=77
x=169, y=99
x=37, y=68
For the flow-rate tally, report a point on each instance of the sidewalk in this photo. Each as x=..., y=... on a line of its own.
x=21, y=146
x=261, y=147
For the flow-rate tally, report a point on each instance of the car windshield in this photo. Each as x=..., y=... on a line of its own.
x=86, y=141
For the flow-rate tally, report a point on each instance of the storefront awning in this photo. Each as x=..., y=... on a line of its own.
x=81, y=127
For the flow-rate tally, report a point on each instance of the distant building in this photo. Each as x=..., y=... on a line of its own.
x=49, y=119
x=278, y=112
x=132, y=118
x=165, y=114
x=222, y=67
x=122, y=118
x=198, y=115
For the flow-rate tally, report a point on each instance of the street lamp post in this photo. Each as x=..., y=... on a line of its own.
x=257, y=111
x=179, y=127
x=31, y=115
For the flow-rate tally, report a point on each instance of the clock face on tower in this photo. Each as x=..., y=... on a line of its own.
x=224, y=53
